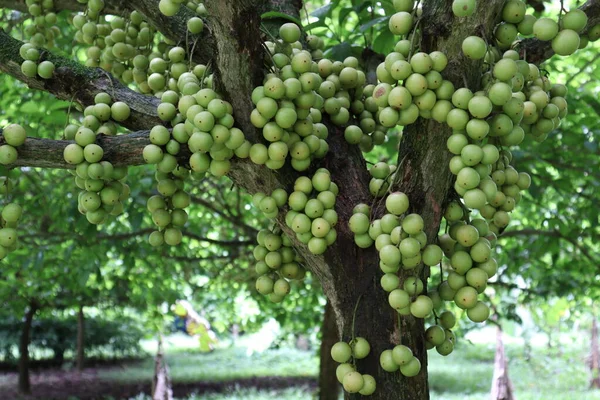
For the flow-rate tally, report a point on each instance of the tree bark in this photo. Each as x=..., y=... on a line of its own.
x=24, y=381
x=595, y=356
x=80, y=340
x=502, y=388
x=329, y=387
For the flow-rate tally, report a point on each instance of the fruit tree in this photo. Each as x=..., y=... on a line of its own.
x=237, y=89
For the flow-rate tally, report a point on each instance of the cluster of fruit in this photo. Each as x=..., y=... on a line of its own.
x=312, y=215
x=43, y=30
x=276, y=264
x=31, y=66
x=103, y=188
x=14, y=135
x=352, y=380
x=171, y=7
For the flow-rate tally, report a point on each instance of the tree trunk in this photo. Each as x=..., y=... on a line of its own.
x=346, y=272
x=329, y=387
x=502, y=388
x=161, y=384
x=59, y=356
x=24, y=382
x=595, y=356
x=80, y=340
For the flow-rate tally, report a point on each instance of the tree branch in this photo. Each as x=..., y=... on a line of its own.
x=121, y=150
x=111, y=7
x=553, y=233
x=74, y=82
x=537, y=51
x=62, y=236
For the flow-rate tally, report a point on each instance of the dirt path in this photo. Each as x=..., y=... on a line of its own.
x=64, y=385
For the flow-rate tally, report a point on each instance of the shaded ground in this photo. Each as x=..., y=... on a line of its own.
x=63, y=385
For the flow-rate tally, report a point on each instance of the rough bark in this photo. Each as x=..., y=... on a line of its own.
x=329, y=387
x=80, y=340
x=111, y=7
x=119, y=150
x=74, y=82
x=595, y=356
x=502, y=388
x=24, y=382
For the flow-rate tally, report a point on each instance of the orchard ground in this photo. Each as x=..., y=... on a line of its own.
x=247, y=371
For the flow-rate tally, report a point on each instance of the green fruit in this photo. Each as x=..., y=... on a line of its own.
x=195, y=25
x=575, y=20
x=387, y=362
x=120, y=111
x=474, y=47
x=479, y=313
x=412, y=368
x=14, y=135
x=168, y=7
x=514, y=11
x=360, y=348
x=353, y=382
x=29, y=68
x=341, y=352
x=45, y=69
x=545, y=29
x=463, y=8
x=566, y=42
x=400, y=23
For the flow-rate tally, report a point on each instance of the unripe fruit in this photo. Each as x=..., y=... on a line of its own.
x=14, y=135
x=353, y=382
x=360, y=348
x=545, y=29
x=463, y=8
x=341, y=352
x=566, y=42
x=474, y=47
x=400, y=23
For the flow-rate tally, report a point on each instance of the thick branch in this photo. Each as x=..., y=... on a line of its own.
x=111, y=6
x=555, y=234
x=74, y=82
x=122, y=150
x=538, y=51
x=175, y=28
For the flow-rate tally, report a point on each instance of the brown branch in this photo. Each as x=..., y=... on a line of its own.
x=537, y=51
x=552, y=233
x=62, y=236
x=121, y=150
x=224, y=243
x=111, y=7
x=174, y=28
x=582, y=69
x=235, y=220
x=74, y=82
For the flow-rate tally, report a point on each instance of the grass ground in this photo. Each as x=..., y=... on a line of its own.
x=542, y=374
x=464, y=375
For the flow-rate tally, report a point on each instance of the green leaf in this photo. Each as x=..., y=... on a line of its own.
x=280, y=15
x=340, y=51
x=384, y=42
x=372, y=23
x=317, y=24
x=324, y=11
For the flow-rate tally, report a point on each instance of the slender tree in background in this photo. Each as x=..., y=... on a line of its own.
x=225, y=88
